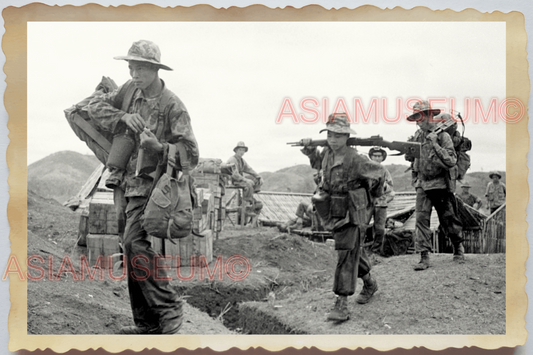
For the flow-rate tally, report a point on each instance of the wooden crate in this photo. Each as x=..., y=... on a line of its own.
x=102, y=214
x=83, y=228
x=206, y=179
x=102, y=245
x=184, y=248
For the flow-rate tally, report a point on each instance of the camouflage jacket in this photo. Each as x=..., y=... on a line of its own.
x=105, y=110
x=359, y=172
x=435, y=164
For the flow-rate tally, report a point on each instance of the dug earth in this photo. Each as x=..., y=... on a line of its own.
x=287, y=290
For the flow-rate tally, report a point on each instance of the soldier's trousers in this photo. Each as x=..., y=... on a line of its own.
x=249, y=188
x=349, y=269
x=380, y=217
x=155, y=305
x=446, y=207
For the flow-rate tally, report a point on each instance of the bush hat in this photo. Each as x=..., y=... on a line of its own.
x=466, y=185
x=375, y=150
x=422, y=106
x=338, y=123
x=494, y=173
x=144, y=51
x=240, y=145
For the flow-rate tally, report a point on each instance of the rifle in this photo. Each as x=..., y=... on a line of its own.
x=410, y=148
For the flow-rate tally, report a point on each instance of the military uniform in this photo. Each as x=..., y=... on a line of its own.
x=352, y=186
x=434, y=181
x=495, y=193
x=156, y=306
x=469, y=199
x=380, y=206
x=239, y=179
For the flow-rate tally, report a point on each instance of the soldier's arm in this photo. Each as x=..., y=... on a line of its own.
x=315, y=156
x=445, y=150
x=248, y=169
x=181, y=132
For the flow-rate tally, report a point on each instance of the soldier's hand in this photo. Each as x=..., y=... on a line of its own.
x=308, y=150
x=150, y=142
x=432, y=137
x=134, y=121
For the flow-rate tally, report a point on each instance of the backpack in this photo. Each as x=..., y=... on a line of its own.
x=168, y=212
x=461, y=144
x=98, y=140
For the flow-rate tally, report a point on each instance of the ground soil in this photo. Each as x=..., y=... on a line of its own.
x=446, y=299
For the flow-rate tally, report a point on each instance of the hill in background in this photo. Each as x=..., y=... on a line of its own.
x=62, y=174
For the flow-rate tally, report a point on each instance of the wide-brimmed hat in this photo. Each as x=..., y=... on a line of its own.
x=422, y=106
x=145, y=51
x=375, y=150
x=494, y=173
x=466, y=185
x=338, y=123
x=240, y=145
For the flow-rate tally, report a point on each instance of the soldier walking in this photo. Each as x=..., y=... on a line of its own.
x=434, y=181
x=344, y=201
x=155, y=119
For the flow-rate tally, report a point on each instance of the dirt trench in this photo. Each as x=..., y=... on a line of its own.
x=222, y=301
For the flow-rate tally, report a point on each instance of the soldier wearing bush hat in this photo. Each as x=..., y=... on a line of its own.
x=154, y=117
x=375, y=150
x=496, y=192
x=379, y=214
x=434, y=184
x=348, y=179
x=468, y=198
x=243, y=174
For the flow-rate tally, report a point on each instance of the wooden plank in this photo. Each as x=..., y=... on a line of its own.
x=83, y=230
x=204, y=245
x=186, y=250
x=157, y=245
x=94, y=247
x=104, y=245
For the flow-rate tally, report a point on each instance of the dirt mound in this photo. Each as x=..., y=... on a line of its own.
x=448, y=298
x=63, y=302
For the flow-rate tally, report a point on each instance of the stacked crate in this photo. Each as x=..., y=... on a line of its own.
x=102, y=229
x=213, y=210
x=180, y=252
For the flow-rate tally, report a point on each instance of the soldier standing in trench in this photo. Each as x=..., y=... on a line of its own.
x=344, y=201
x=155, y=119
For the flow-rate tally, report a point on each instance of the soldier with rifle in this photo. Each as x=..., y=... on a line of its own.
x=434, y=174
x=344, y=201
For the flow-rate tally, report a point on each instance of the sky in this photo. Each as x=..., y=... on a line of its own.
x=234, y=77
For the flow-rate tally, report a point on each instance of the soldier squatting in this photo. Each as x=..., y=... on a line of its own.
x=351, y=188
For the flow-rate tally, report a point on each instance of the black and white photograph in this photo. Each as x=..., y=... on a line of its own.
x=271, y=177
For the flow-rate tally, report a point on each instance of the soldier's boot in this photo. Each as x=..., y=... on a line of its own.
x=459, y=253
x=370, y=287
x=340, y=311
x=424, y=262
